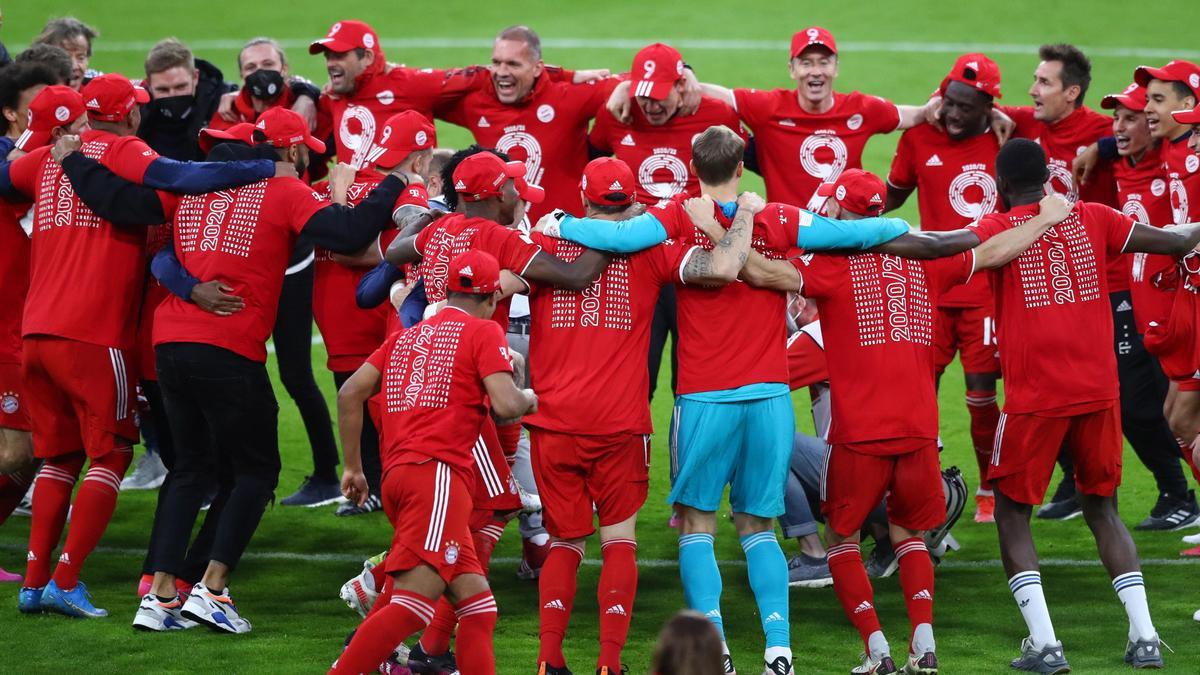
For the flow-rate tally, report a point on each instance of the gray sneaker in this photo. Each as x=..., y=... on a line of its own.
x=882, y=562
x=371, y=505
x=1144, y=654
x=808, y=572
x=1048, y=659
x=314, y=492
x=149, y=473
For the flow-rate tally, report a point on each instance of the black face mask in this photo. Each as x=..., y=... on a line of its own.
x=173, y=107
x=265, y=85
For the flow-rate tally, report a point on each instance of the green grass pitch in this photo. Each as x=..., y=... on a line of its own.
x=288, y=584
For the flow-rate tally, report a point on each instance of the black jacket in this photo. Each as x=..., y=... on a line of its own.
x=178, y=138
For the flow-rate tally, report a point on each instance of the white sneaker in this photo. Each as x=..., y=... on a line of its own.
x=530, y=503
x=149, y=473
x=359, y=593
x=215, y=610
x=1192, y=539
x=158, y=616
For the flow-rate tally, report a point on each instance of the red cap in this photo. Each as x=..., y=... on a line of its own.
x=242, y=132
x=403, y=133
x=53, y=107
x=1176, y=71
x=345, y=36
x=655, y=70
x=813, y=35
x=110, y=97
x=483, y=174
x=857, y=191
x=976, y=71
x=285, y=128
x=475, y=272
x=1187, y=116
x=608, y=180
x=1134, y=98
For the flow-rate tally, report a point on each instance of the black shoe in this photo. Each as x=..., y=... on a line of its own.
x=1062, y=510
x=1171, y=513
x=314, y=492
x=882, y=562
x=351, y=509
x=1066, y=489
x=424, y=664
x=605, y=670
x=547, y=669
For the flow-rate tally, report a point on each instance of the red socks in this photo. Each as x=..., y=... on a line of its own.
x=13, y=487
x=556, y=596
x=916, y=580
x=375, y=639
x=95, y=503
x=853, y=588
x=985, y=415
x=51, y=499
x=436, y=638
x=476, y=625
x=618, y=585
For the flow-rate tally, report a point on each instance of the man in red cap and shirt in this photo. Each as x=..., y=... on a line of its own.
x=439, y=380
x=1174, y=87
x=952, y=165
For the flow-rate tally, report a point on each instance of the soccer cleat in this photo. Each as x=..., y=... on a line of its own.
x=530, y=502
x=7, y=577
x=29, y=600
x=76, y=602
x=882, y=562
x=149, y=473
x=805, y=571
x=314, y=492
x=1193, y=552
x=605, y=670
x=870, y=666
x=397, y=663
x=359, y=593
x=927, y=664
x=985, y=508
x=780, y=666
x=1172, y=513
x=1048, y=659
x=157, y=616
x=1191, y=538
x=421, y=663
x=216, y=611
x=547, y=669
x=532, y=559
x=351, y=509
x=1065, y=509
x=1144, y=654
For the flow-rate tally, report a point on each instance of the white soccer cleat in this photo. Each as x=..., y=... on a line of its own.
x=359, y=593
x=215, y=610
x=1192, y=539
x=157, y=616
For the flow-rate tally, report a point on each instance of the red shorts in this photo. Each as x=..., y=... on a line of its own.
x=854, y=482
x=429, y=505
x=13, y=414
x=969, y=331
x=574, y=472
x=80, y=396
x=1175, y=340
x=1027, y=446
x=495, y=489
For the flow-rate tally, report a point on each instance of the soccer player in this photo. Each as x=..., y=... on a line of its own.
x=1174, y=87
x=952, y=167
x=657, y=140
x=434, y=378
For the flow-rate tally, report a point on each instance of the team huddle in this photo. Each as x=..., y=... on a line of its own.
x=488, y=313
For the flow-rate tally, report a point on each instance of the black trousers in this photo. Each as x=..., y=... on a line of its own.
x=368, y=443
x=1143, y=391
x=661, y=326
x=224, y=418
x=293, y=353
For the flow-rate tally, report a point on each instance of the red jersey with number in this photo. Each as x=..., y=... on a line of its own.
x=432, y=395
x=455, y=234
x=547, y=130
x=956, y=185
x=86, y=274
x=14, y=278
x=243, y=107
x=660, y=155
x=244, y=237
x=587, y=348
x=1182, y=168
x=1053, y=318
x=1142, y=193
x=797, y=150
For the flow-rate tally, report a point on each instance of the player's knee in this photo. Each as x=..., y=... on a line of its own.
x=747, y=524
x=16, y=450
x=465, y=586
x=1099, y=510
x=980, y=381
x=694, y=521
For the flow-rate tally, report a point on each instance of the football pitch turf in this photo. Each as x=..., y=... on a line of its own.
x=288, y=583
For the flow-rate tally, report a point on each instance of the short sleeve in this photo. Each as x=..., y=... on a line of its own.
x=598, y=137
x=593, y=95
x=780, y=223
x=729, y=118
x=129, y=157
x=23, y=171
x=989, y=226
x=413, y=195
x=1115, y=226
x=673, y=218
x=379, y=356
x=490, y=349
x=881, y=114
x=820, y=274
x=665, y=261
x=301, y=203
x=903, y=174
x=753, y=105
x=512, y=248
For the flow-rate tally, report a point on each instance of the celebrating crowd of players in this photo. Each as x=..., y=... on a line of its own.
x=133, y=270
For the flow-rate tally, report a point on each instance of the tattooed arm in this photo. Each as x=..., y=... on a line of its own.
x=722, y=264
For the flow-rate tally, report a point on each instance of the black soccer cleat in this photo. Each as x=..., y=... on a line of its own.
x=421, y=663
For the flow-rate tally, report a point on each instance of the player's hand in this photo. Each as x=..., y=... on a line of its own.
x=701, y=211
x=216, y=298
x=619, y=104
x=341, y=177
x=399, y=293
x=585, y=76
x=547, y=225
x=752, y=203
x=1055, y=208
x=225, y=108
x=65, y=146
x=306, y=108
x=1003, y=126
x=1085, y=163
x=933, y=112
x=354, y=487
x=691, y=93
x=1189, y=271
x=533, y=401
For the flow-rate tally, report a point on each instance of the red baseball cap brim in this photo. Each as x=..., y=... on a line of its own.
x=242, y=132
x=32, y=140
x=1187, y=116
x=1111, y=102
x=826, y=189
x=533, y=194
x=329, y=44
x=658, y=91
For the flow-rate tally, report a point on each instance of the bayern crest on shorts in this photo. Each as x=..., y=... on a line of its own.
x=9, y=403
x=451, y=552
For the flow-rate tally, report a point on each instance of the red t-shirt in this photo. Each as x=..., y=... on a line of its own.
x=877, y=319
x=433, y=397
x=455, y=234
x=243, y=237
x=86, y=274
x=660, y=155
x=243, y=106
x=587, y=348
x=956, y=185
x=1182, y=168
x=797, y=151
x=547, y=131
x=1053, y=318
x=1142, y=193
x=14, y=278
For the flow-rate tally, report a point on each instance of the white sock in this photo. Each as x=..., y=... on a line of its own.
x=773, y=653
x=878, y=646
x=1026, y=588
x=922, y=640
x=1131, y=590
x=724, y=648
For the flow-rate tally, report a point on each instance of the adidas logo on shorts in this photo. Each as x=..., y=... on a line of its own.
x=555, y=604
x=619, y=610
x=864, y=607
x=923, y=594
